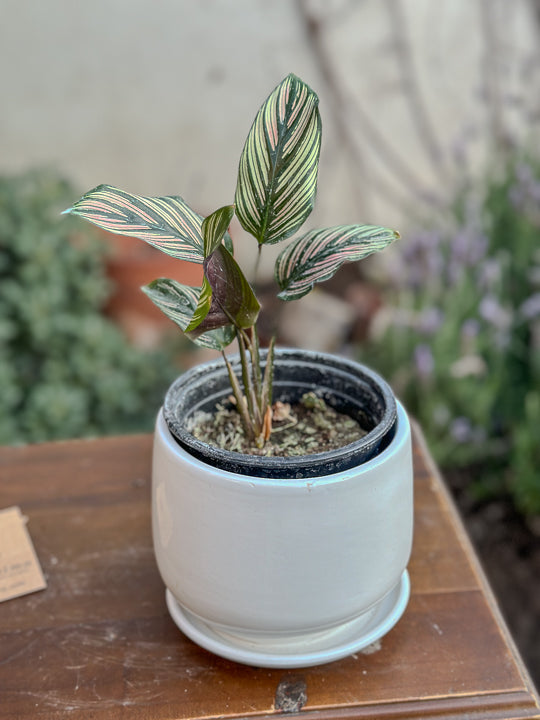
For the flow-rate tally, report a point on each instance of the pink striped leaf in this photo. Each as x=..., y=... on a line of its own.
x=167, y=223
x=316, y=256
x=277, y=175
x=179, y=303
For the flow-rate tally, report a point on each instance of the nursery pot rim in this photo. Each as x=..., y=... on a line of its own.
x=298, y=485
x=351, y=386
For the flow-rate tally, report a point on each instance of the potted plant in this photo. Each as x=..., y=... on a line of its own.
x=273, y=553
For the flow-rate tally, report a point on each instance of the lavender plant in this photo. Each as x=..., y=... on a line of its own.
x=275, y=193
x=460, y=338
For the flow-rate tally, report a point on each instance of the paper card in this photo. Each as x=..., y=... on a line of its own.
x=20, y=572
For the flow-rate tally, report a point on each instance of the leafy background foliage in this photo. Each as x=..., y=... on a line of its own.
x=65, y=369
x=460, y=338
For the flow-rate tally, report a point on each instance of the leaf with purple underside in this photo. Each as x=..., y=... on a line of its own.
x=232, y=300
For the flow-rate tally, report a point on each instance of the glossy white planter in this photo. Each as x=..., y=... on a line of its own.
x=284, y=573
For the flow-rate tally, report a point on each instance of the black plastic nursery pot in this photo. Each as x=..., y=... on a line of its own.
x=349, y=387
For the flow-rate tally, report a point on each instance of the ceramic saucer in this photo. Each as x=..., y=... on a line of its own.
x=317, y=648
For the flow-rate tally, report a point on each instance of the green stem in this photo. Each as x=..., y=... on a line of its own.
x=249, y=389
x=257, y=265
x=239, y=397
x=256, y=369
x=266, y=393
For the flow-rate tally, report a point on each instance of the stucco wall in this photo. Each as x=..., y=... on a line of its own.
x=157, y=97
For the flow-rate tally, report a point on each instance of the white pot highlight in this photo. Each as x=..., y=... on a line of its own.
x=285, y=573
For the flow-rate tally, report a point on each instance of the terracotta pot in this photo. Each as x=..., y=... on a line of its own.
x=131, y=265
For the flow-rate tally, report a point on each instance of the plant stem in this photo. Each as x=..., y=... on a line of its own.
x=255, y=403
x=239, y=397
x=257, y=265
x=249, y=389
x=266, y=392
x=256, y=369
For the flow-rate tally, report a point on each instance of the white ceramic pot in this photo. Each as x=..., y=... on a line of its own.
x=284, y=572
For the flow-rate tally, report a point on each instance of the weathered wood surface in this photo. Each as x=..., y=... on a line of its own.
x=99, y=643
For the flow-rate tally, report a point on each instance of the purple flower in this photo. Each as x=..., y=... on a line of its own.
x=531, y=307
x=460, y=245
x=524, y=173
x=461, y=430
x=478, y=248
x=433, y=263
x=516, y=195
x=527, y=187
x=421, y=258
x=454, y=271
x=470, y=329
x=493, y=312
x=534, y=192
x=430, y=321
x=489, y=274
x=423, y=360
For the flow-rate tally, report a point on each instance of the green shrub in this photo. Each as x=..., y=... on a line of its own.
x=460, y=337
x=65, y=369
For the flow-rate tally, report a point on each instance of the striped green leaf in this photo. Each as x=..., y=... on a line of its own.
x=214, y=228
x=167, y=223
x=277, y=175
x=316, y=256
x=204, y=305
x=179, y=303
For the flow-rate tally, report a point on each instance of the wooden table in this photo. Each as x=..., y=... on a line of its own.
x=99, y=643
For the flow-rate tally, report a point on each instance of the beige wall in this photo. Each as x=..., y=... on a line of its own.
x=157, y=96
